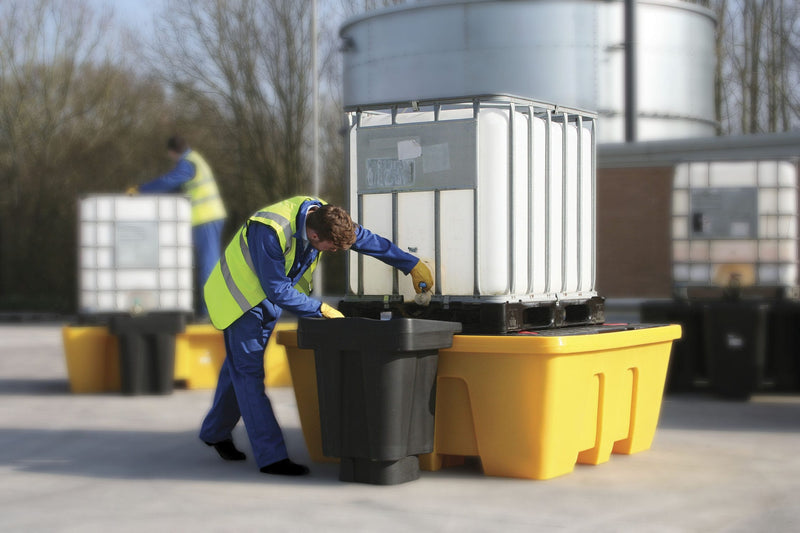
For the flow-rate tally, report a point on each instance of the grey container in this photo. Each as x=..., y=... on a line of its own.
x=147, y=351
x=376, y=381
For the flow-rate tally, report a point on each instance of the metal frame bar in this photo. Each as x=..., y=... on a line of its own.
x=531, y=145
x=564, y=181
x=548, y=285
x=361, y=256
x=593, y=279
x=484, y=100
x=579, y=126
x=395, y=225
x=476, y=205
x=511, y=285
x=437, y=242
x=353, y=121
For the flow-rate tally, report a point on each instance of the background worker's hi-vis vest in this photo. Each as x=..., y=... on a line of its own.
x=233, y=287
x=207, y=204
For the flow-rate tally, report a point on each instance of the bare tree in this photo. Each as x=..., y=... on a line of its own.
x=73, y=119
x=249, y=63
x=720, y=98
x=758, y=74
x=354, y=7
x=45, y=47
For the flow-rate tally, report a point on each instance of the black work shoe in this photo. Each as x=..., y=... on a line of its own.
x=227, y=450
x=285, y=467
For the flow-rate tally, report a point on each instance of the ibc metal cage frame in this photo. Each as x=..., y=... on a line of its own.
x=555, y=304
x=785, y=234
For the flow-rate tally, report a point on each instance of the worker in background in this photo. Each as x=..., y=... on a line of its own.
x=266, y=269
x=193, y=176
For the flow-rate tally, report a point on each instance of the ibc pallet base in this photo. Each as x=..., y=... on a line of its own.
x=488, y=318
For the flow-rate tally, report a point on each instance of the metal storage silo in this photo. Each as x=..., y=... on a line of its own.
x=568, y=52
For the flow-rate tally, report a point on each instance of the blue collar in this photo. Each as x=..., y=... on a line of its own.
x=301, y=234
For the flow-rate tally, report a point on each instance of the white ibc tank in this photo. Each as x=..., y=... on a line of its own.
x=135, y=254
x=497, y=197
x=735, y=220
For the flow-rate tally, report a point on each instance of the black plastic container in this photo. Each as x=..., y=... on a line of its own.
x=376, y=381
x=147, y=351
x=687, y=365
x=736, y=346
x=783, y=358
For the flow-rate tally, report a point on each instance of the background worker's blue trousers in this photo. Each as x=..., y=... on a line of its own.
x=207, y=239
x=240, y=389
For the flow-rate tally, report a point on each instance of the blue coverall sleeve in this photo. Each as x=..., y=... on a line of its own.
x=172, y=180
x=374, y=245
x=265, y=249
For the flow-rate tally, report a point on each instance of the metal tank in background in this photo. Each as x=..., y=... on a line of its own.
x=569, y=52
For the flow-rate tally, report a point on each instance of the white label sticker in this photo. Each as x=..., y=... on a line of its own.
x=388, y=173
x=735, y=340
x=409, y=149
x=136, y=245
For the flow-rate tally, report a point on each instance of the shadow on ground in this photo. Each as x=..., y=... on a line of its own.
x=11, y=387
x=137, y=455
x=768, y=413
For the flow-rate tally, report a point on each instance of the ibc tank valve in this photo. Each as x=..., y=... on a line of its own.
x=423, y=298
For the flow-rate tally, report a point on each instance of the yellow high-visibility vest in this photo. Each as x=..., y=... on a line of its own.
x=233, y=287
x=207, y=204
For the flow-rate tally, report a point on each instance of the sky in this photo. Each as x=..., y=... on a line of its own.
x=136, y=14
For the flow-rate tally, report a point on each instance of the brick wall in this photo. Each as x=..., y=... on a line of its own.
x=633, y=232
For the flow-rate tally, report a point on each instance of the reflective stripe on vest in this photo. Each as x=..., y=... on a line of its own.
x=207, y=204
x=233, y=287
x=285, y=225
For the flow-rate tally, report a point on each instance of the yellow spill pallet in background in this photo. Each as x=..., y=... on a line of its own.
x=92, y=356
x=529, y=406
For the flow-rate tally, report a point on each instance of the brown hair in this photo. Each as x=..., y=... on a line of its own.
x=333, y=224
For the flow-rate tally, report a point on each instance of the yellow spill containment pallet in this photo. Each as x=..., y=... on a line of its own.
x=92, y=357
x=531, y=406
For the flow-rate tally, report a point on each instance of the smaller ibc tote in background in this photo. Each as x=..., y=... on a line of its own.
x=734, y=272
x=135, y=275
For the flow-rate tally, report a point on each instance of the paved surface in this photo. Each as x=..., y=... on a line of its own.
x=111, y=463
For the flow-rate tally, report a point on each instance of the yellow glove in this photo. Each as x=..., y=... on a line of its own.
x=132, y=190
x=421, y=277
x=330, y=312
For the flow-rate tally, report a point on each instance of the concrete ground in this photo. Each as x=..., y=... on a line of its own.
x=112, y=463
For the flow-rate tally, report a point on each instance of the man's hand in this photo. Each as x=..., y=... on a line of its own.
x=132, y=191
x=330, y=312
x=421, y=277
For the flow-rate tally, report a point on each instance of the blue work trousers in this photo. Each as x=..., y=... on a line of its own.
x=240, y=389
x=207, y=240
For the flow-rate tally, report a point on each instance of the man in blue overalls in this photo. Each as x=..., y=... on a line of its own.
x=265, y=269
x=193, y=176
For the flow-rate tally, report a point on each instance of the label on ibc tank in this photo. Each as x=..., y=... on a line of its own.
x=724, y=213
x=136, y=245
x=418, y=157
